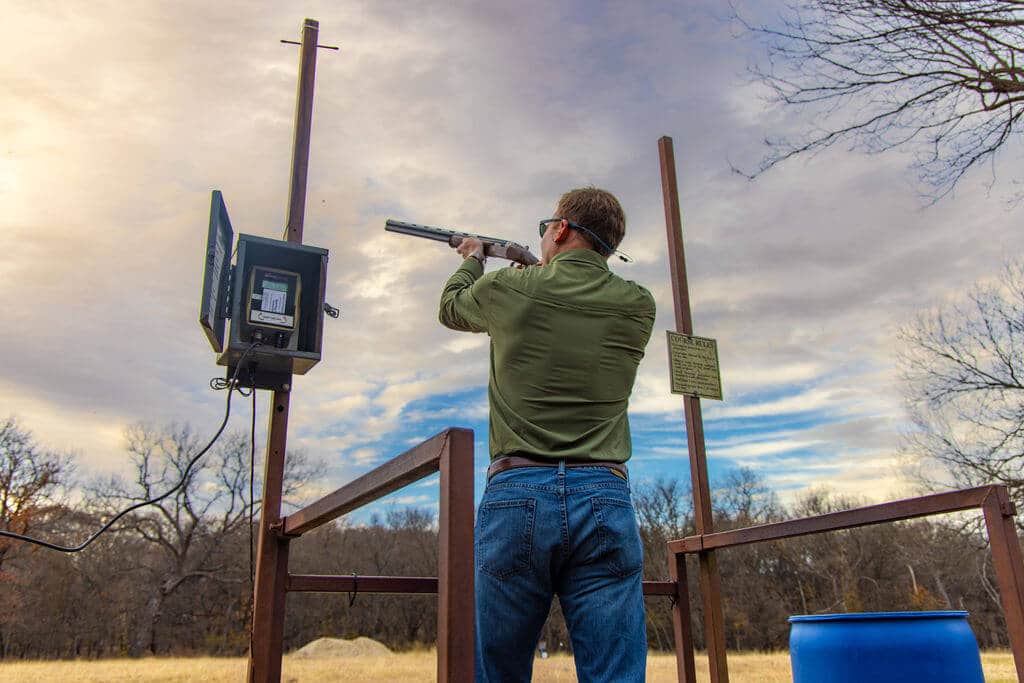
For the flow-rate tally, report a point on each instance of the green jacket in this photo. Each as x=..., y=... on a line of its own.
x=566, y=340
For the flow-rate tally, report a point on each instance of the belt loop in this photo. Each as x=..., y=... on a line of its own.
x=561, y=468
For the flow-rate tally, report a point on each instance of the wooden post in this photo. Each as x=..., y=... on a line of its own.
x=303, y=130
x=455, y=614
x=266, y=643
x=711, y=592
x=685, y=668
x=1006, y=558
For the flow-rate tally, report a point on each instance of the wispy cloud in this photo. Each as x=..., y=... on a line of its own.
x=107, y=165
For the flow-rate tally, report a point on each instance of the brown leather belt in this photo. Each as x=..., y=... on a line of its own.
x=511, y=462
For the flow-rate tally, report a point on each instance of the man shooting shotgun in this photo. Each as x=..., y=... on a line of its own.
x=492, y=246
x=556, y=517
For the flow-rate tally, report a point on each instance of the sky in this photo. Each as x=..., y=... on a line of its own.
x=117, y=123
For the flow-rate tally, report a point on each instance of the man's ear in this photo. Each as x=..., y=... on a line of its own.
x=563, y=232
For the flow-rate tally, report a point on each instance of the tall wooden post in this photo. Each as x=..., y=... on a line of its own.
x=711, y=590
x=1006, y=558
x=455, y=616
x=266, y=642
x=303, y=129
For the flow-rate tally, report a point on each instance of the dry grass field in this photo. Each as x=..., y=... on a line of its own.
x=406, y=667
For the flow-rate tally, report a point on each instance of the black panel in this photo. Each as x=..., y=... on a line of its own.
x=213, y=303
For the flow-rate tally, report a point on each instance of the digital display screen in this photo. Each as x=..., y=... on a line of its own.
x=273, y=300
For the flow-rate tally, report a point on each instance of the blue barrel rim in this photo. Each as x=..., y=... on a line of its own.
x=869, y=616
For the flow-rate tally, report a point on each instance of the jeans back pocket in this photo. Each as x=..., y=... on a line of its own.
x=619, y=535
x=504, y=536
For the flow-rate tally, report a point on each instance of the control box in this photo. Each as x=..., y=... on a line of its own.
x=273, y=294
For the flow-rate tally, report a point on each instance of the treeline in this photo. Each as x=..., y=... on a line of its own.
x=175, y=578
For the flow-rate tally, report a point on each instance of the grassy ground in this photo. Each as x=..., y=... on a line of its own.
x=406, y=667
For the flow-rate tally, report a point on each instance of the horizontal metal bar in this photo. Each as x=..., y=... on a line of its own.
x=413, y=465
x=312, y=583
x=316, y=583
x=939, y=503
x=660, y=588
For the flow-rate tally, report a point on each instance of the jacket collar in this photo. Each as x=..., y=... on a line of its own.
x=588, y=256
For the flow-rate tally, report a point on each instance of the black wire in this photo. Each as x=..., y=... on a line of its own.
x=184, y=478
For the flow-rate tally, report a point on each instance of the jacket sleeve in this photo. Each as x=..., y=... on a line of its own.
x=464, y=298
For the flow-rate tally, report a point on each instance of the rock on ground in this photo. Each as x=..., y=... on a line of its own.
x=339, y=647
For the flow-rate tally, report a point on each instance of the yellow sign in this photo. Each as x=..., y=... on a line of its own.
x=694, y=366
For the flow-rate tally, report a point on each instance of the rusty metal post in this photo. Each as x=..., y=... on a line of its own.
x=303, y=130
x=455, y=615
x=1006, y=557
x=266, y=643
x=681, y=619
x=711, y=592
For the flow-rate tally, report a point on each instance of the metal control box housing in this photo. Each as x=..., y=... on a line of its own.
x=289, y=325
x=272, y=364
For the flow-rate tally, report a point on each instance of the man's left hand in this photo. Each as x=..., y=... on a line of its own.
x=469, y=245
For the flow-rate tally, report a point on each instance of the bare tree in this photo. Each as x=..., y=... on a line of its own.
x=942, y=76
x=30, y=478
x=663, y=514
x=186, y=537
x=745, y=499
x=963, y=369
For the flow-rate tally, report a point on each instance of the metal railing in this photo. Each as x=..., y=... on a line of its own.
x=451, y=453
x=994, y=502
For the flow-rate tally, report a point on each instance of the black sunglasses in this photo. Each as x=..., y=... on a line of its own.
x=543, y=226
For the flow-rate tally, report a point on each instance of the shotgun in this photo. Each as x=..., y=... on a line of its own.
x=493, y=246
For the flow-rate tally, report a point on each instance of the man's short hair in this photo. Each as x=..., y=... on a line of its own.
x=597, y=210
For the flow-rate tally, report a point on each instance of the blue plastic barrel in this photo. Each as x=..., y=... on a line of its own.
x=884, y=647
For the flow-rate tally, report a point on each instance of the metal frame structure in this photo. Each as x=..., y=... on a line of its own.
x=993, y=501
x=451, y=453
x=272, y=548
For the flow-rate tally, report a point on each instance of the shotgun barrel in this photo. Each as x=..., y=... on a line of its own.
x=493, y=246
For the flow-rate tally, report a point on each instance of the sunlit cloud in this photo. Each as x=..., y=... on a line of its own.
x=108, y=163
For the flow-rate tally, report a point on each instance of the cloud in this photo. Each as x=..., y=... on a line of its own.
x=474, y=116
x=364, y=456
x=809, y=401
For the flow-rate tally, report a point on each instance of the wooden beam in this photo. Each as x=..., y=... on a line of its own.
x=416, y=463
x=938, y=503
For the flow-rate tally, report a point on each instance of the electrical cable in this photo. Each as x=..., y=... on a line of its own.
x=222, y=383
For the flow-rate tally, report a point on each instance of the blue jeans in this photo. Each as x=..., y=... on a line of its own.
x=571, y=532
